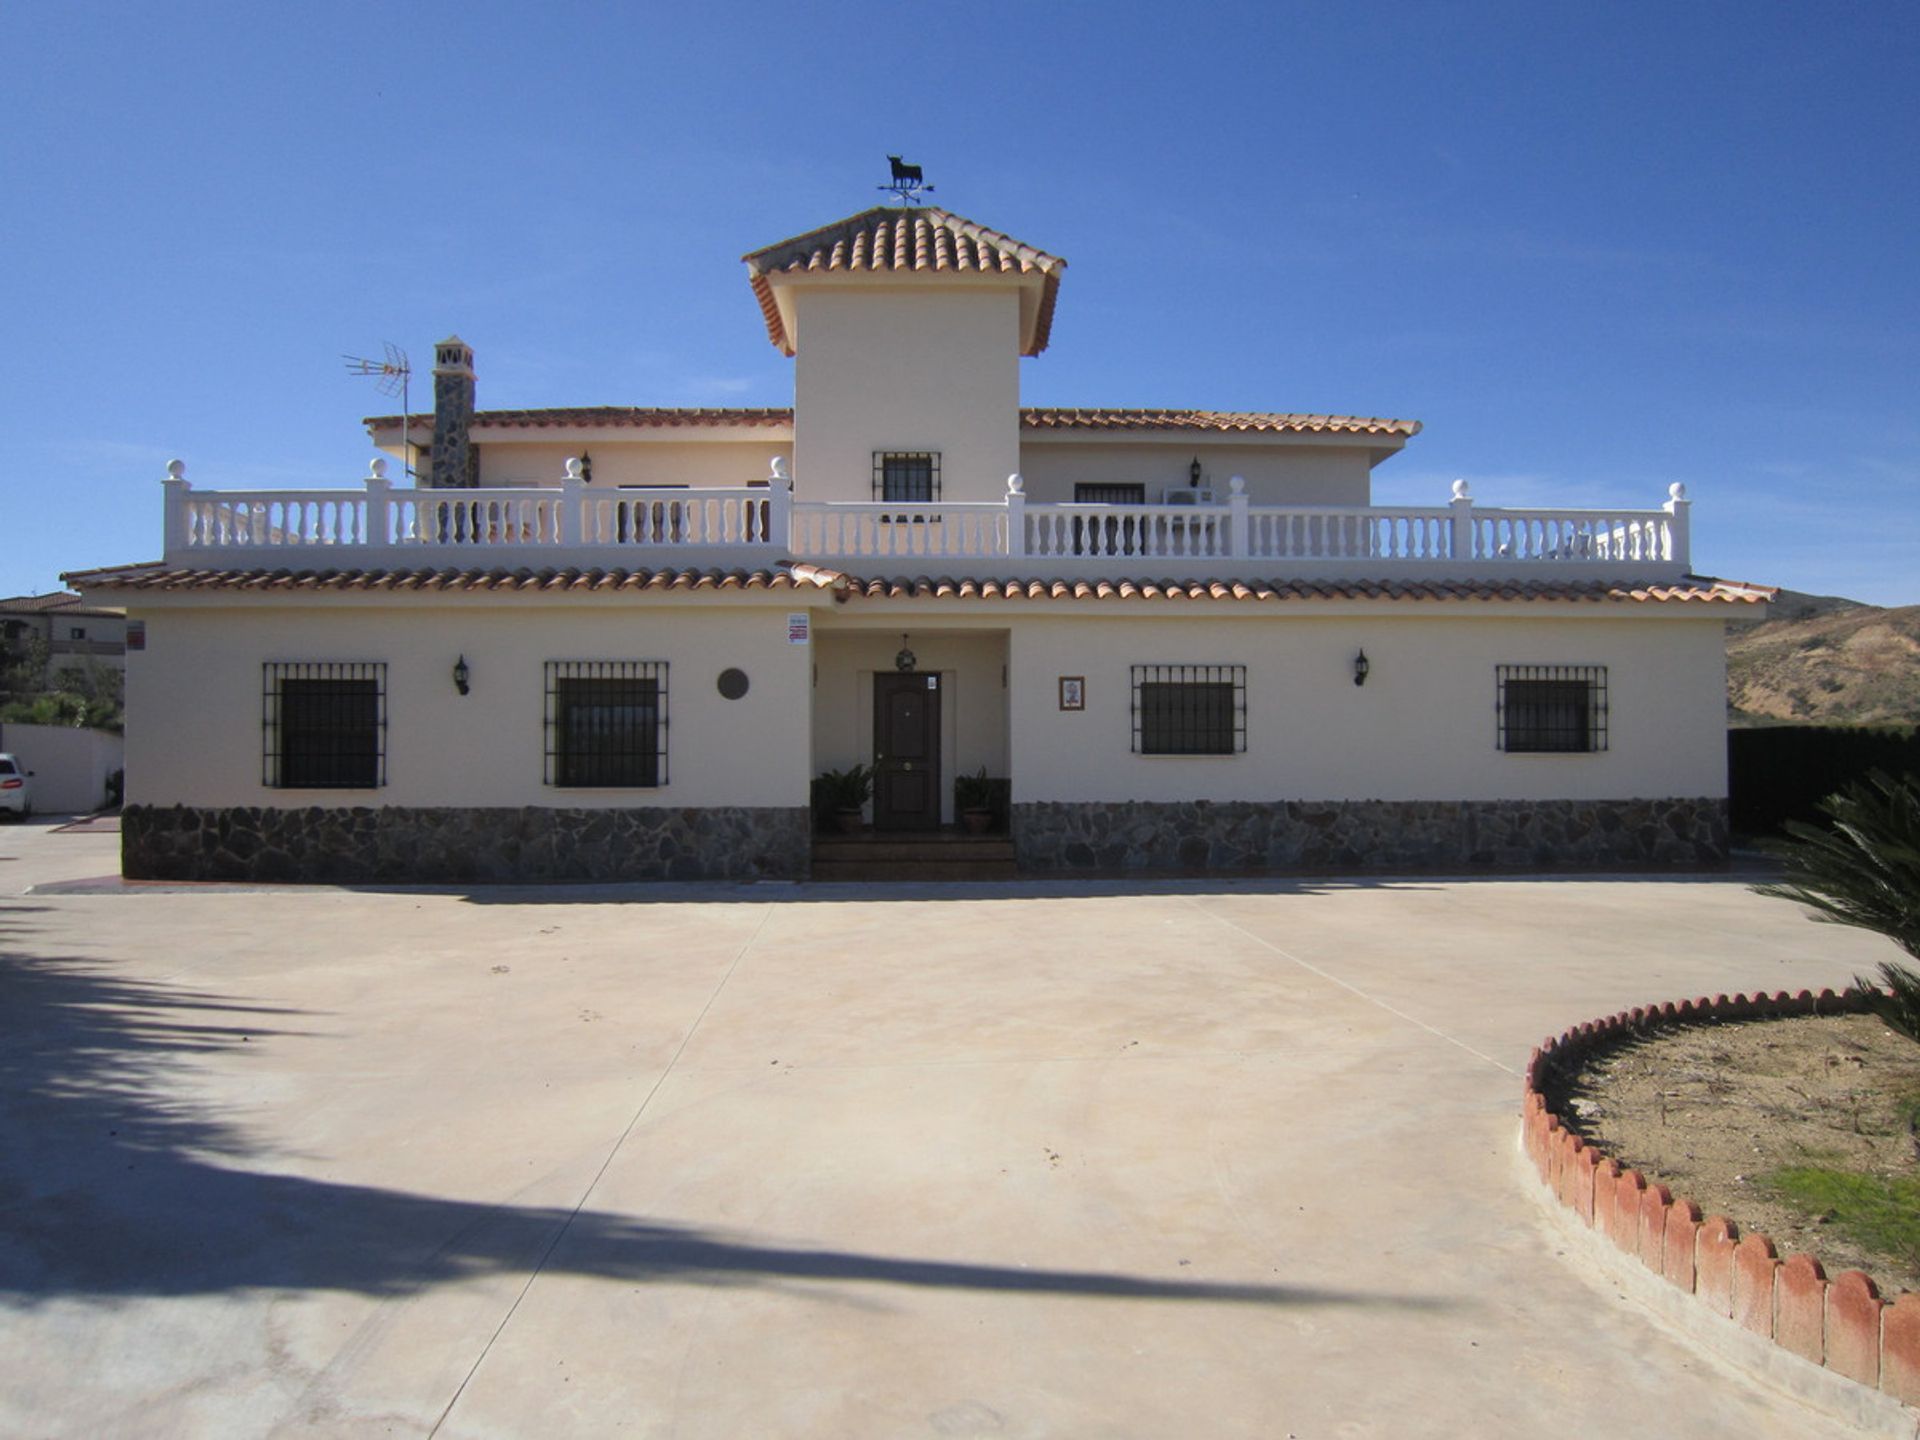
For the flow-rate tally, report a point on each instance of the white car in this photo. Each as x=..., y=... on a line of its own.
x=16, y=787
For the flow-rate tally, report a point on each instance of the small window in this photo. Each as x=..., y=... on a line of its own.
x=1189, y=709
x=76, y=632
x=909, y=476
x=325, y=725
x=1552, y=709
x=1085, y=494
x=606, y=723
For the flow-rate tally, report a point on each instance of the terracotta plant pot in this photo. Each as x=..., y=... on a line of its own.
x=976, y=821
x=848, y=821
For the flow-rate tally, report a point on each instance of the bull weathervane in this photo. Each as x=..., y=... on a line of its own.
x=907, y=183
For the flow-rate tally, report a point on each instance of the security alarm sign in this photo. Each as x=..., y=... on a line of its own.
x=799, y=628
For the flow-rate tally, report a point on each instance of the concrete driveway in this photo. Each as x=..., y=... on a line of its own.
x=1038, y=1160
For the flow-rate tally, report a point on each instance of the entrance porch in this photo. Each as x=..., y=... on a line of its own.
x=922, y=707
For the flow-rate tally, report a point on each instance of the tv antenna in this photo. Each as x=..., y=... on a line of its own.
x=907, y=183
x=391, y=376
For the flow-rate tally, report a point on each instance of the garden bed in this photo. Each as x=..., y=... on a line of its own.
x=1801, y=1128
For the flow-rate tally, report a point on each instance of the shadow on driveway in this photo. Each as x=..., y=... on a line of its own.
x=112, y=1186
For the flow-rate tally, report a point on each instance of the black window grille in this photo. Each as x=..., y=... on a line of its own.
x=324, y=724
x=1552, y=708
x=1189, y=709
x=606, y=723
x=911, y=477
x=1084, y=494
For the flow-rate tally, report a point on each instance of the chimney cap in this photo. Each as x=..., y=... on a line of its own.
x=453, y=356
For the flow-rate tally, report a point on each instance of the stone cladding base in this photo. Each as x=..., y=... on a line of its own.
x=442, y=845
x=1347, y=835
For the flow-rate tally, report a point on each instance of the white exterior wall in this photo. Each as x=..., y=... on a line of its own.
x=195, y=698
x=973, y=698
x=1276, y=474
x=906, y=368
x=1422, y=728
x=723, y=464
x=70, y=767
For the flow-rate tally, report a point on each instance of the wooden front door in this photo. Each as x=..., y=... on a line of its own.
x=906, y=752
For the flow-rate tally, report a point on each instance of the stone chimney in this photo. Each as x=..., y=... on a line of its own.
x=455, y=464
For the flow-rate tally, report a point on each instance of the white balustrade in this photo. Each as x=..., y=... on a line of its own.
x=846, y=530
x=578, y=523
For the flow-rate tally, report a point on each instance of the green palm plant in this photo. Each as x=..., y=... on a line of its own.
x=1863, y=869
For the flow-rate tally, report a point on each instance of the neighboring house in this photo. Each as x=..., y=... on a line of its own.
x=619, y=642
x=74, y=634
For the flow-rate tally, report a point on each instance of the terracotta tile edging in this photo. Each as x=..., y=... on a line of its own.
x=1841, y=1324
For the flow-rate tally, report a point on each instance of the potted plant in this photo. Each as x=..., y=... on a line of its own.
x=973, y=798
x=839, y=794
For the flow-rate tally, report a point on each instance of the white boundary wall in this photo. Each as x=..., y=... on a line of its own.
x=70, y=767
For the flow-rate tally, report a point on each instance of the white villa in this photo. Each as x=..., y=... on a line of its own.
x=619, y=643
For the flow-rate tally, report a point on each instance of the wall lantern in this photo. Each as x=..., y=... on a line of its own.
x=1361, y=668
x=461, y=675
x=906, y=659
x=1193, y=473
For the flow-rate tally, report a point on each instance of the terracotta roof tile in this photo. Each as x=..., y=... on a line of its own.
x=658, y=417
x=1692, y=590
x=630, y=417
x=162, y=577
x=59, y=601
x=1227, y=420
x=158, y=576
x=919, y=239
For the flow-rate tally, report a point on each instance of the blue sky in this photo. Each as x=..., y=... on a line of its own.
x=1594, y=248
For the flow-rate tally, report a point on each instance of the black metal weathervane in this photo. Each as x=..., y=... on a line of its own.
x=908, y=183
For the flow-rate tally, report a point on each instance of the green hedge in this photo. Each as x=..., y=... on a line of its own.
x=1783, y=772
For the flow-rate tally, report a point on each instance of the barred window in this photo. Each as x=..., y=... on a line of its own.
x=606, y=723
x=1552, y=708
x=1085, y=493
x=1189, y=709
x=324, y=725
x=906, y=476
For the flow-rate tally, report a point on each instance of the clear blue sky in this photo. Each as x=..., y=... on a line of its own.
x=1596, y=248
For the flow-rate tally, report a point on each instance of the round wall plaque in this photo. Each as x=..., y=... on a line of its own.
x=733, y=683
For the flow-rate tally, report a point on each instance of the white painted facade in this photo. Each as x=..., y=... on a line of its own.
x=909, y=362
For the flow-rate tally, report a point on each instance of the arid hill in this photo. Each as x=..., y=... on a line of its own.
x=1822, y=660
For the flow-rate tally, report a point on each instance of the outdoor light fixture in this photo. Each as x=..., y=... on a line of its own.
x=906, y=659
x=461, y=674
x=1360, y=668
x=1193, y=473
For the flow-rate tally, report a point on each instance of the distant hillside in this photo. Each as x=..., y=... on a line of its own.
x=1823, y=660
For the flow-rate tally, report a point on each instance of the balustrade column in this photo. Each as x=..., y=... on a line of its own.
x=1462, y=506
x=177, y=529
x=1239, y=542
x=780, y=514
x=379, y=504
x=572, y=526
x=1679, y=540
x=1016, y=514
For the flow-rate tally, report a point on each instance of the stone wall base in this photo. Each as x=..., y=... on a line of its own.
x=456, y=844
x=1346, y=835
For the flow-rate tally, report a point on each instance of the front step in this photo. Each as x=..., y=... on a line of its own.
x=934, y=855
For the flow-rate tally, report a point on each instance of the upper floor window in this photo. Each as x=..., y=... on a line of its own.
x=910, y=476
x=1104, y=494
x=1552, y=708
x=607, y=723
x=1189, y=709
x=324, y=725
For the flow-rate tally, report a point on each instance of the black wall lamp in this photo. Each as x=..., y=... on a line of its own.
x=906, y=659
x=1193, y=473
x=461, y=675
x=1361, y=668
